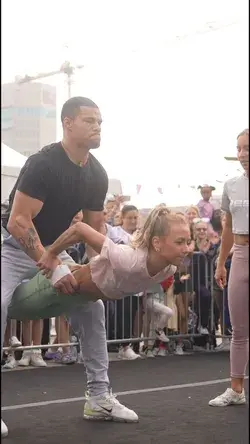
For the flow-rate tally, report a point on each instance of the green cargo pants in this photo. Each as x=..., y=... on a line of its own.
x=37, y=299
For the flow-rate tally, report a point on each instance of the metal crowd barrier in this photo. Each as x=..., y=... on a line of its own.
x=129, y=321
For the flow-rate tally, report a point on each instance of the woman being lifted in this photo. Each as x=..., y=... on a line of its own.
x=118, y=270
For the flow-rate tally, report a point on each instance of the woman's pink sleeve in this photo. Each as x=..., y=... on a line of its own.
x=120, y=256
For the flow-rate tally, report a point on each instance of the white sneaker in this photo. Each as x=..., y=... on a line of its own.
x=10, y=362
x=14, y=342
x=4, y=429
x=162, y=352
x=161, y=336
x=229, y=397
x=25, y=360
x=127, y=354
x=36, y=359
x=148, y=353
x=224, y=346
x=155, y=351
x=107, y=407
x=203, y=331
x=179, y=350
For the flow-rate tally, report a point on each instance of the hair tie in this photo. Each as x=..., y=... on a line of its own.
x=164, y=212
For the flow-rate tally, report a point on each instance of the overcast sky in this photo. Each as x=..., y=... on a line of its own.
x=172, y=107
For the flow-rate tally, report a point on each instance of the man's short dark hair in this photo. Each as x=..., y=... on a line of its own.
x=72, y=106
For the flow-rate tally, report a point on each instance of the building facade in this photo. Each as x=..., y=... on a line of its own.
x=28, y=116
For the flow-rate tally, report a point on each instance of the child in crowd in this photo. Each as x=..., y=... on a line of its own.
x=162, y=348
x=155, y=318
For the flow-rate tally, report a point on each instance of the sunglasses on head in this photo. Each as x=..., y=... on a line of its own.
x=197, y=220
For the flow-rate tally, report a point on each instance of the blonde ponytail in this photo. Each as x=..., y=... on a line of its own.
x=152, y=225
x=157, y=224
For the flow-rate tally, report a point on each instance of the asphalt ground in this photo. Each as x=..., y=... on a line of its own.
x=169, y=394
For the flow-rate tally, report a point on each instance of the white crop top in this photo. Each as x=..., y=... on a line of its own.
x=235, y=200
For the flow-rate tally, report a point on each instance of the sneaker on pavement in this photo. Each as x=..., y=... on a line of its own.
x=14, y=342
x=4, y=429
x=224, y=346
x=36, y=359
x=107, y=407
x=127, y=353
x=10, y=362
x=179, y=350
x=229, y=397
x=4, y=358
x=161, y=336
x=65, y=358
x=162, y=352
x=50, y=355
x=147, y=353
x=155, y=351
x=25, y=360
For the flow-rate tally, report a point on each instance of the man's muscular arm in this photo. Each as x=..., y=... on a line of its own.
x=96, y=220
x=21, y=227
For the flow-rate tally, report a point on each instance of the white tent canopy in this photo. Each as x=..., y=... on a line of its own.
x=11, y=157
x=11, y=164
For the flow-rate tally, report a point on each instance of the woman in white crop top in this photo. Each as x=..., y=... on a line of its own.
x=119, y=270
x=235, y=203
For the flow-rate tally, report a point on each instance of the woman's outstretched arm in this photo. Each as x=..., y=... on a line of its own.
x=79, y=232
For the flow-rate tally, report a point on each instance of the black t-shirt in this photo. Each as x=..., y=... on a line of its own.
x=64, y=188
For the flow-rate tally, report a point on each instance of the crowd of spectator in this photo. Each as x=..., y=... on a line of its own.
x=141, y=322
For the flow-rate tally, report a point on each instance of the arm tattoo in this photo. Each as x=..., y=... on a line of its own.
x=31, y=241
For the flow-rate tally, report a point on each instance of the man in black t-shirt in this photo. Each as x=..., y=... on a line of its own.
x=53, y=186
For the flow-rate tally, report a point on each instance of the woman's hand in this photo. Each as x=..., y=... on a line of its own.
x=48, y=263
x=221, y=276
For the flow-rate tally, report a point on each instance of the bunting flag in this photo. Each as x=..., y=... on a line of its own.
x=138, y=188
x=160, y=190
